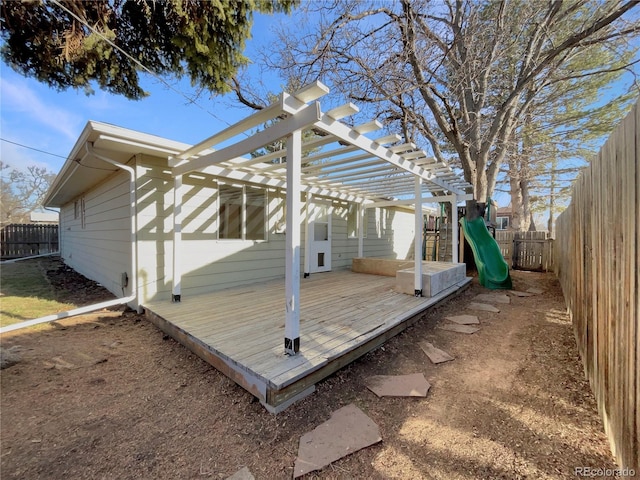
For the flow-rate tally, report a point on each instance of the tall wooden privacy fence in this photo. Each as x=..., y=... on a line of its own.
x=526, y=250
x=596, y=258
x=23, y=240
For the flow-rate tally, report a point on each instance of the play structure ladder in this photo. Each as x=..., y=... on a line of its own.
x=444, y=247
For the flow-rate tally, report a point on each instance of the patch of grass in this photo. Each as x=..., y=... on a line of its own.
x=25, y=293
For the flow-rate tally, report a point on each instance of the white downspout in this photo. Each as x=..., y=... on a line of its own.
x=14, y=260
x=133, y=216
x=67, y=314
x=134, y=261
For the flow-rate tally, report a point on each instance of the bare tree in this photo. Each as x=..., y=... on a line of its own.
x=22, y=191
x=462, y=74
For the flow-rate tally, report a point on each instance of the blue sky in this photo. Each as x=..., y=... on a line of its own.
x=37, y=116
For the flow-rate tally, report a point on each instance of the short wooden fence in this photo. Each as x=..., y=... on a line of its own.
x=23, y=240
x=526, y=250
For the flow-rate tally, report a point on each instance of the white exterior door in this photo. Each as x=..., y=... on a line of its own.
x=320, y=244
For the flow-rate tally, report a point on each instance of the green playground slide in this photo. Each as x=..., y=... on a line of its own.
x=493, y=271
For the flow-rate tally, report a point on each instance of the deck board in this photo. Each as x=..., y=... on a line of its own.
x=244, y=326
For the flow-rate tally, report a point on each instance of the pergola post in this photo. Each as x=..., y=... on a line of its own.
x=418, y=237
x=177, y=239
x=361, y=228
x=454, y=229
x=307, y=234
x=292, y=245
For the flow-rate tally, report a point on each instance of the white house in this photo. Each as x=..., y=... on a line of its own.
x=157, y=220
x=233, y=231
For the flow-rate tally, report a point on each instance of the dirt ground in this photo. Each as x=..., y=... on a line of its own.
x=109, y=396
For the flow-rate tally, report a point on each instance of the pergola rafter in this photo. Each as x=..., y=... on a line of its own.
x=321, y=166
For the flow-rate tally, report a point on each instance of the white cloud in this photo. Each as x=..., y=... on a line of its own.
x=21, y=99
x=101, y=102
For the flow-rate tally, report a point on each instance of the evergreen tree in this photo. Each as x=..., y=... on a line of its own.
x=70, y=43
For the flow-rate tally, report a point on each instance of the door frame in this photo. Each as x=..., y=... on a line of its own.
x=320, y=247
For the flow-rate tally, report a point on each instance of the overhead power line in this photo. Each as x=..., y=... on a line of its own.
x=33, y=148
x=55, y=155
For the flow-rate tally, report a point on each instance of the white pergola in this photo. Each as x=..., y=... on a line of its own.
x=346, y=165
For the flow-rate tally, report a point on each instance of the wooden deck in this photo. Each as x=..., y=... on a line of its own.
x=240, y=331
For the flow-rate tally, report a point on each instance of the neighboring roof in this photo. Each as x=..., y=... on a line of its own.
x=503, y=211
x=342, y=161
x=44, y=217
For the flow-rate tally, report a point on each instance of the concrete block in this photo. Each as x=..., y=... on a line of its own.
x=379, y=266
x=436, y=277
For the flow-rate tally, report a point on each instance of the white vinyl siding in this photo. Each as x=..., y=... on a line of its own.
x=101, y=250
x=390, y=236
x=95, y=233
x=209, y=263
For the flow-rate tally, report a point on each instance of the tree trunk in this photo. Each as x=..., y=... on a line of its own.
x=527, y=215
x=477, y=206
x=517, y=203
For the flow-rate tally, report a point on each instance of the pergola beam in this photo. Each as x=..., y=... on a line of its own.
x=411, y=201
x=322, y=168
x=343, y=132
x=282, y=153
x=385, y=179
x=317, y=157
x=371, y=126
x=342, y=111
x=286, y=103
x=405, y=147
x=302, y=119
x=378, y=170
x=243, y=177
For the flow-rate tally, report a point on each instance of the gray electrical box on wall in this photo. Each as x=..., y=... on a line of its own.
x=124, y=281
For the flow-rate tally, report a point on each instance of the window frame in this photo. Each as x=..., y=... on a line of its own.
x=500, y=225
x=243, y=213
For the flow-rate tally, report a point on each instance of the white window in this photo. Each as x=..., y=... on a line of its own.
x=503, y=223
x=241, y=212
x=230, y=211
x=255, y=213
